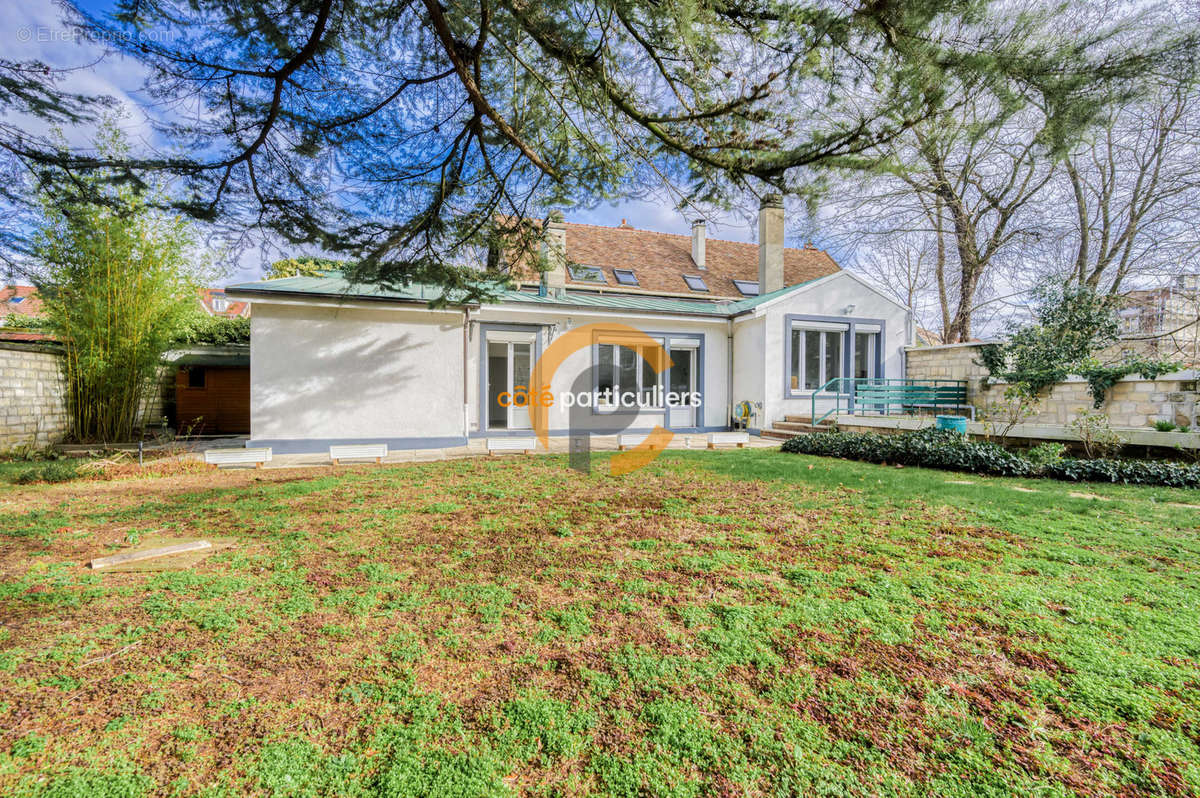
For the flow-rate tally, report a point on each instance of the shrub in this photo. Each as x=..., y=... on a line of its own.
x=928, y=447
x=950, y=451
x=1096, y=434
x=1164, y=426
x=52, y=471
x=1046, y=453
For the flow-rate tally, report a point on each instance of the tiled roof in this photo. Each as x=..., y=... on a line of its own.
x=233, y=309
x=660, y=260
x=20, y=299
x=24, y=300
x=333, y=285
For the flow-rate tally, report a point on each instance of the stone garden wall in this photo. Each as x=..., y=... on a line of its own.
x=32, y=396
x=32, y=408
x=1132, y=402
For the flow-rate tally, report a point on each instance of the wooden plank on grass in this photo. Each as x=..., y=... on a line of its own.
x=150, y=554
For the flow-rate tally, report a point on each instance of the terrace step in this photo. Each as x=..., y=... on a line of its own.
x=792, y=426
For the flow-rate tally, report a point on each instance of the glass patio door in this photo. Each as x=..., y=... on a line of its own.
x=683, y=381
x=509, y=363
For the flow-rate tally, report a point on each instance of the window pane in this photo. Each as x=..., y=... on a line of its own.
x=604, y=369
x=833, y=357
x=497, y=354
x=681, y=370
x=627, y=374
x=650, y=378
x=812, y=360
x=521, y=363
x=797, y=350
x=863, y=357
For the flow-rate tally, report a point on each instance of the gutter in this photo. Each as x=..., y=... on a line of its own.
x=252, y=293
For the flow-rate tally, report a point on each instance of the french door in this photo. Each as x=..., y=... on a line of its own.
x=509, y=362
x=684, y=364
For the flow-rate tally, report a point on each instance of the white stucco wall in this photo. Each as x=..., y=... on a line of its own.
x=749, y=367
x=325, y=374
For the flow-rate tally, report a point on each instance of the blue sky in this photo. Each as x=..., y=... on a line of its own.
x=32, y=30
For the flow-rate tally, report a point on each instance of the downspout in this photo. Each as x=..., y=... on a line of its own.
x=466, y=412
x=729, y=375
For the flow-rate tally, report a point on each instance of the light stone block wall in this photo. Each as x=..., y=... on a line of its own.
x=32, y=404
x=1132, y=402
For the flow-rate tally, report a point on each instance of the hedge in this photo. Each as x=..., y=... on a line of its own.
x=951, y=451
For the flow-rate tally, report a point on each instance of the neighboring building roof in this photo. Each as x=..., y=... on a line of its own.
x=24, y=301
x=20, y=299
x=660, y=260
x=26, y=336
x=215, y=303
x=333, y=285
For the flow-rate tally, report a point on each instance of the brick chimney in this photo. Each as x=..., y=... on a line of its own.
x=698, y=233
x=554, y=249
x=770, y=244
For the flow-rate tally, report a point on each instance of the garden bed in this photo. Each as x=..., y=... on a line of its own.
x=933, y=448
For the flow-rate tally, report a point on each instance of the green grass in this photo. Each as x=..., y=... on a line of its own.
x=731, y=623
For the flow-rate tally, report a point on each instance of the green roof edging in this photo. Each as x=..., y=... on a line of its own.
x=333, y=285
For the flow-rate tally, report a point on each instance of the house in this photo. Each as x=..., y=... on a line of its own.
x=214, y=302
x=772, y=326
x=21, y=300
x=1163, y=322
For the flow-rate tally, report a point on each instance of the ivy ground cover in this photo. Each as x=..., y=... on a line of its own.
x=744, y=623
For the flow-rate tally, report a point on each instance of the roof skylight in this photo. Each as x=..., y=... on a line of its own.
x=586, y=274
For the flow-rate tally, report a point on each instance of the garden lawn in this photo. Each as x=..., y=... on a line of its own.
x=719, y=623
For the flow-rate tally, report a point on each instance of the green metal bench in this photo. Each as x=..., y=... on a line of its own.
x=887, y=396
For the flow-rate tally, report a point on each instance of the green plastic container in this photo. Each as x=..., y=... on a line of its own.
x=954, y=423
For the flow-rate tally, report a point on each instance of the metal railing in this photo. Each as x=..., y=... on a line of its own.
x=848, y=389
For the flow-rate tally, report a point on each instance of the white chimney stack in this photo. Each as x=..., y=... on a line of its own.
x=770, y=244
x=698, y=233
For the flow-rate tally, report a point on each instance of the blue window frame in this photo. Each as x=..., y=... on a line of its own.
x=820, y=348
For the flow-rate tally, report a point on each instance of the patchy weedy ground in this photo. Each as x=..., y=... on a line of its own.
x=732, y=623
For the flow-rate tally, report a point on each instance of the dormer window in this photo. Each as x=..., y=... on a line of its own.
x=586, y=274
x=746, y=287
x=220, y=304
x=625, y=277
x=695, y=282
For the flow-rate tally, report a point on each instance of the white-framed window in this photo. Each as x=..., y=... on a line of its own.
x=816, y=357
x=220, y=304
x=627, y=368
